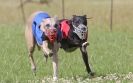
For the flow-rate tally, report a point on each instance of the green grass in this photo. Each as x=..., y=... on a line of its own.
x=109, y=52
x=113, y=51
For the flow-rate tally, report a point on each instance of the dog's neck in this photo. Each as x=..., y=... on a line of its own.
x=72, y=38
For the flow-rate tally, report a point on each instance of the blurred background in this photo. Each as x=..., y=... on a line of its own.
x=16, y=11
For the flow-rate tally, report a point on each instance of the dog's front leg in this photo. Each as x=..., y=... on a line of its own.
x=85, y=58
x=31, y=46
x=55, y=60
x=45, y=48
x=55, y=66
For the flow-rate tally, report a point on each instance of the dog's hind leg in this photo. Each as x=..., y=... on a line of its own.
x=33, y=66
x=85, y=59
x=31, y=45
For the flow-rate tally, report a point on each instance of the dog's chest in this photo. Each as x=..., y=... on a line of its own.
x=72, y=41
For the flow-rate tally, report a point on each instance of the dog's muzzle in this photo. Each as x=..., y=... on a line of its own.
x=51, y=34
x=81, y=31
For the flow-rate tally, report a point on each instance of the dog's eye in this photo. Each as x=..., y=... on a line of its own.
x=47, y=25
x=56, y=26
x=77, y=22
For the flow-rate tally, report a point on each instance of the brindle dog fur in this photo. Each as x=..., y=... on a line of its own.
x=73, y=41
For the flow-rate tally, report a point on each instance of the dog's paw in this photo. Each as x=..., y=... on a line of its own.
x=92, y=74
x=34, y=70
x=55, y=78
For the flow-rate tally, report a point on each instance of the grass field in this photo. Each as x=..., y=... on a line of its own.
x=110, y=53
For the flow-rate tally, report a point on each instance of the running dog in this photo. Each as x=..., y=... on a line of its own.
x=75, y=34
x=41, y=31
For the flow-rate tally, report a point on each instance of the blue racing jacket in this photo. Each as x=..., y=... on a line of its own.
x=37, y=33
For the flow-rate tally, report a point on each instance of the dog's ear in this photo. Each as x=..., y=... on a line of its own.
x=74, y=16
x=85, y=16
x=89, y=18
x=55, y=18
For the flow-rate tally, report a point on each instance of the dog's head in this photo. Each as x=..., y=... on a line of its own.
x=79, y=24
x=49, y=27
